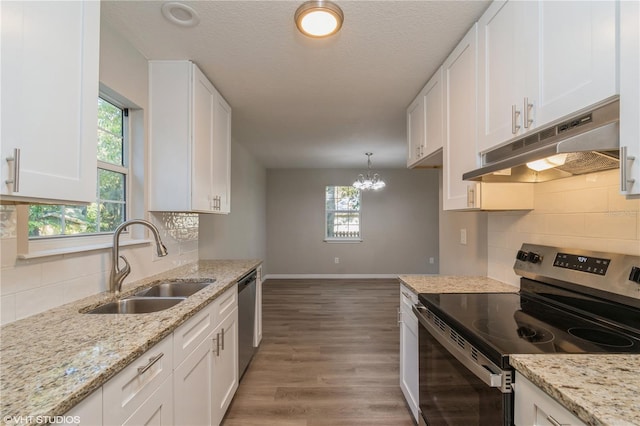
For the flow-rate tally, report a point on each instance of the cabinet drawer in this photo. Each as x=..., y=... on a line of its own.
x=407, y=298
x=127, y=391
x=189, y=335
x=225, y=304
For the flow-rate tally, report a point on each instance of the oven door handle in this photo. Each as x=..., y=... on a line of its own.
x=484, y=372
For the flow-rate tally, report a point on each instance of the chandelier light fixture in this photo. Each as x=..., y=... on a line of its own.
x=367, y=181
x=319, y=18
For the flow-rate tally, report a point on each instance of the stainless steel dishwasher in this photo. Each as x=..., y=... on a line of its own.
x=246, y=320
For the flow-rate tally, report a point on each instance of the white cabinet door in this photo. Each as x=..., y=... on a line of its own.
x=575, y=62
x=204, y=103
x=257, y=337
x=416, y=123
x=225, y=366
x=425, y=122
x=459, y=151
x=192, y=382
x=130, y=388
x=501, y=73
x=630, y=96
x=87, y=413
x=533, y=407
x=190, y=137
x=409, y=350
x=157, y=410
x=221, y=179
x=50, y=55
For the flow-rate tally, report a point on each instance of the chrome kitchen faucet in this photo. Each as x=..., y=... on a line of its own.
x=117, y=275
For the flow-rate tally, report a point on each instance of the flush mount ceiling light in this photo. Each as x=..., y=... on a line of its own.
x=319, y=18
x=180, y=14
x=368, y=181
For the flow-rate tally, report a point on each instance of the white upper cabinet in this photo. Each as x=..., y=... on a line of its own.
x=630, y=97
x=190, y=140
x=459, y=153
x=50, y=56
x=539, y=61
x=425, y=122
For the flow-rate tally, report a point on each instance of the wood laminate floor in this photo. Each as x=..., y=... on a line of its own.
x=329, y=357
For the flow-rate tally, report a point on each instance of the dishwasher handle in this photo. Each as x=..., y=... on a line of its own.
x=247, y=280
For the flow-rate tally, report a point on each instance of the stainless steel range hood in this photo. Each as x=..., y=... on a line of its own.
x=582, y=143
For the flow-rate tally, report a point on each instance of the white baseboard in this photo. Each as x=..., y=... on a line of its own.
x=327, y=276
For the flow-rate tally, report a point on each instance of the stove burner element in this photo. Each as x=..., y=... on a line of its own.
x=601, y=337
x=524, y=331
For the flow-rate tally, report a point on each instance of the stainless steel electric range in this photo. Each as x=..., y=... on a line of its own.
x=570, y=301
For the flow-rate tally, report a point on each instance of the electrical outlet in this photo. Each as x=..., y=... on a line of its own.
x=431, y=260
x=463, y=236
x=336, y=260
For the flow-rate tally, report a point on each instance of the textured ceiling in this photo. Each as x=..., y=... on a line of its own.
x=300, y=102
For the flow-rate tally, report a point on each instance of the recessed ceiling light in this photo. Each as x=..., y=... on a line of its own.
x=319, y=18
x=180, y=14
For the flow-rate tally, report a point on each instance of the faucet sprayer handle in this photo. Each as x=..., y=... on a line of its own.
x=127, y=268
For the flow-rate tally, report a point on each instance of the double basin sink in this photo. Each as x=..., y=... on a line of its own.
x=154, y=299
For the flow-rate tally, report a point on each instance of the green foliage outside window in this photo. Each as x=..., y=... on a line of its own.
x=109, y=209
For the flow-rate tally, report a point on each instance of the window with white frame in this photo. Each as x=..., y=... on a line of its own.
x=342, y=213
x=110, y=208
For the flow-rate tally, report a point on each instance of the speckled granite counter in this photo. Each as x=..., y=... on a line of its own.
x=598, y=389
x=455, y=284
x=49, y=362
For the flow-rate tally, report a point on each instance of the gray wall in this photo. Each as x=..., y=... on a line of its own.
x=242, y=233
x=399, y=224
x=456, y=258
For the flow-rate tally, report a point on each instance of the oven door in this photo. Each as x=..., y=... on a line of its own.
x=457, y=385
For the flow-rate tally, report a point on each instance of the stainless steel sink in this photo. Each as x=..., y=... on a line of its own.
x=137, y=305
x=174, y=289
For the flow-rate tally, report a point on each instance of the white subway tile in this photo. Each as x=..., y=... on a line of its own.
x=564, y=224
x=8, y=251
x=83, y=287
x=614, y=225
x=623, y=246
x=619, y=203
x=22, y=277
x=38, y=300
x=72, y=266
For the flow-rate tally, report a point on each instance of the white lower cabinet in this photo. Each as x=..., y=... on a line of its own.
x=225, y=376
x=408, y=349
x=533, y=407
x=192, y=385
x=132, y=388
x=87, y=413
x=157, y=410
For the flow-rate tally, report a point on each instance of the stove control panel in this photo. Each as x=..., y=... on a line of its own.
x=592, y=265
x=635, y=274
x=530, y=256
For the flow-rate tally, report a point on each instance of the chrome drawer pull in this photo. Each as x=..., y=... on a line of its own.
x=222, y=334
x=16, y=170
x=152, y=360
x=217, y=339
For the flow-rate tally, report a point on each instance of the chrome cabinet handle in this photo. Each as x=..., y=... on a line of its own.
x=406, y=294
x=152, y=360
x=471, y=197
x=554, y=422
x=217, y=339
x=16, y=170
x=625, y=181
x=528, y=121
x=222, y=334
x=399, y=320
x=514, y=119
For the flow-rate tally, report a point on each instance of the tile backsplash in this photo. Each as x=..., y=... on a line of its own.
x=31, y=286
x=579, y=212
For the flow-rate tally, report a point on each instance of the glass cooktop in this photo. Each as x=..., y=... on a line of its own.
x=500, y=324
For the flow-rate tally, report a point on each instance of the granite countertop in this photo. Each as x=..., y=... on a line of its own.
x=598, y=389
x=49, y=362
x=455, y=284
